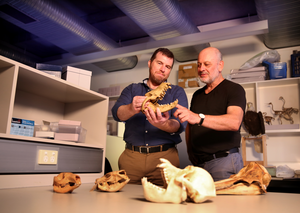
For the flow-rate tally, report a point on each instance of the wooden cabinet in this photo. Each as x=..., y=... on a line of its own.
x=33, y=95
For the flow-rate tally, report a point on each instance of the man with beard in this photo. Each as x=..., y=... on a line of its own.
x=150, y=136
x=214, y=119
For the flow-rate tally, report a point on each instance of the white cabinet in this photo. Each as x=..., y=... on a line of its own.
x=30, y=94
x=283, y=144
x=264, y=92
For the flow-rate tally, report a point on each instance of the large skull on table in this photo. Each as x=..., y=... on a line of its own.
x=252, y=179
x=191, y=183
x=158, y=94
x=66, y=182
x=112, y=181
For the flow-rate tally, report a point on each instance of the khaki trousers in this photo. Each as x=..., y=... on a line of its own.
x=138, y=165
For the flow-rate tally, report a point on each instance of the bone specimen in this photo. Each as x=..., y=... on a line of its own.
x=112, y=181
x=66, y=182
x=268, y=119
x=251, y=180
x=287, y=112
x=188, y=184
x=158, y=94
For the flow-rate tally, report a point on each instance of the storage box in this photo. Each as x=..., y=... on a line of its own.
x=295, y=64
x=188, y=75
x=276, y=70
x=22, y=127
x=45, y=131
x=50, y=69
x=77, y=76
x=73, y=133
x=56, y=74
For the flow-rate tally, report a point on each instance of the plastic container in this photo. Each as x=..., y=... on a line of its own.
x=70, y=133
x=45, y=131
x=276, y=70
x=295, y=63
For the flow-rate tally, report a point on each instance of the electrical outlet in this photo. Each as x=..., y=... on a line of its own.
x=47, y=156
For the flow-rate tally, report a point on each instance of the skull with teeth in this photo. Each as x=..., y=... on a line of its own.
x=66, y=182
x=191, y=183
x=157, y=94
x=112, y=181
x=251, y=180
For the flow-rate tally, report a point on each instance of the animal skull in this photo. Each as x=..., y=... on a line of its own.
x=158, y=94
x=191, y=183
x=251, y=180
x=66, y=182
x=112, y=181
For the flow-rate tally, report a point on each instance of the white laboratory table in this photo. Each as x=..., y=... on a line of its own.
x=131, y=199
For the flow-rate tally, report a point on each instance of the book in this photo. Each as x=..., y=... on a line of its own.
x=249, y=79
x=248, y=74
x=253, y=69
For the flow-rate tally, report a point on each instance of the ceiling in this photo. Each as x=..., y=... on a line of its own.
x=65, y=31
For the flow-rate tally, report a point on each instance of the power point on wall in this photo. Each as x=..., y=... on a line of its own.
x=47, y=156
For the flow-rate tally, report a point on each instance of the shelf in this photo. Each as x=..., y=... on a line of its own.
x=27, y=93
x=49, y=141
x=115, y=97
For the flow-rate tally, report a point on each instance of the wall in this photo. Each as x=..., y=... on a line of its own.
x=235, y=53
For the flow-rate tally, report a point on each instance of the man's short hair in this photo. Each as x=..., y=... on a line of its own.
x=164, y=51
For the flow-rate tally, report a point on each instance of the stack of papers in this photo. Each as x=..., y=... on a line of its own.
x=248, y=75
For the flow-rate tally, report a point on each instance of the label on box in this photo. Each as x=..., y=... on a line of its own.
x=22, y=127
x=187, y=67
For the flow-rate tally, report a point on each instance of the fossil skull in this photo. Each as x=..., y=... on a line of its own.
x=112, y=181
x=251, y=180
x=191, y=183
x=158, y=94
x=66, y=182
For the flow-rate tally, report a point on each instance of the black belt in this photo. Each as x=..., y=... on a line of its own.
x=208, y=157
x=149, y=149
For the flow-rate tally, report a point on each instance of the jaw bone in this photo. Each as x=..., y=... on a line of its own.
x=191, y=183
x=176, y=193
x=158, y=94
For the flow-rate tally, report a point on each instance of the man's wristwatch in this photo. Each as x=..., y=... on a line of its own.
x=202, y=117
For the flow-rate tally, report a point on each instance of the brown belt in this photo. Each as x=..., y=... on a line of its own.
x=149, y=149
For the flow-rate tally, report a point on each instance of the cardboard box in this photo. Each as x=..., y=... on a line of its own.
x=77, y=76
x=188, y=75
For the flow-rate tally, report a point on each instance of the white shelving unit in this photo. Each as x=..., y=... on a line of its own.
x=283, y=145
x=33, y=95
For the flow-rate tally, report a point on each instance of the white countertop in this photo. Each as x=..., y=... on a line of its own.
x=131, y=199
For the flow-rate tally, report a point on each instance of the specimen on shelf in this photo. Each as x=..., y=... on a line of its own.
x=253, y=121
x=285, y=112
x=268, y=119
